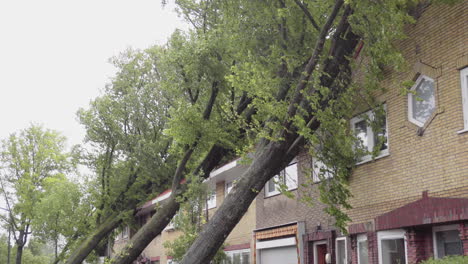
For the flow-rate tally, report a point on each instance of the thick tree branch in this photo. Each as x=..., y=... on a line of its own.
x=307, y=14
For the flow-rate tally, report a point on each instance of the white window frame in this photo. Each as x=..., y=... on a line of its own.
x=392, y=234
x=464, y=90
x=410, y=99
x=228, y=185
x=436, y=229
x=291, y=184
x=126, y=232
x=370, y=135
x=240, y=251
x=317, y=166
x=361, y=238
x=315, y=244
x=345, y=247
x=211, y=203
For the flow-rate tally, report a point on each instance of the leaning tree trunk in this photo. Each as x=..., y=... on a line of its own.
x=268, y=161
x=92, y=241
x=150, y=230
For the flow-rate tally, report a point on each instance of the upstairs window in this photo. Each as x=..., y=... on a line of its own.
x=421, y=100
x=368, y=139
x=228, y=187
x=211, y=200
x=287, y=177
x=464, y=88
x=320, y=171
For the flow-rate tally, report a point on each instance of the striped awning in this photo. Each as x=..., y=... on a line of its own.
x=276, y=232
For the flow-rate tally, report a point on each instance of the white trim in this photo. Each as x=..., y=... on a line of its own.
x=388, y=235
x=228, y=189
x=291, y=183
x=345, y=247
x=161, y=198
x=436, y=229
x=211, y=203
x=224, y=168
x=283, y=242
x=370, y=135
x=230, y=253
x=361, y=238
x=315, y=244
x=464, y=90
x=410, y=99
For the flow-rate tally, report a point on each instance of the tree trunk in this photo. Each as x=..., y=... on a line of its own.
x=19, y=253
x=268, y=161
x=150, y=230
x=91, y=242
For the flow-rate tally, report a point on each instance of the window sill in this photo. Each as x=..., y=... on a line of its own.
x=278, y=193
x=462, y=131
x=369, y=159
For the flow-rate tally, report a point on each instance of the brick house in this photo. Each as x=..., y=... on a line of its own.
x=411, y=202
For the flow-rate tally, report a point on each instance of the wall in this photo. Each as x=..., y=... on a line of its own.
x=438, y=160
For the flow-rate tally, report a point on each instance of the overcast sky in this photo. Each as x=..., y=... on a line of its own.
x=54, y=53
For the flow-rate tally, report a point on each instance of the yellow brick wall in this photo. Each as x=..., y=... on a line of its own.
x=437, y=46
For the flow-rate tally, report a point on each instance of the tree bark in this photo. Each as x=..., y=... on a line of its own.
x=92, y=241
x=19, y=253
x=150, y=230
x=268, y=161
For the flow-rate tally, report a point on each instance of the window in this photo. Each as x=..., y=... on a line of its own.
x=320, y=171
x=341, y=253
x=369, y=140
x=464, y=87
x=211, y=201
x=363, y=254
x=237, y=257
x=125, y=232
x=421, y=100
x=228, y=187
x=392, y=247
x=447, y=241
x=288, y=177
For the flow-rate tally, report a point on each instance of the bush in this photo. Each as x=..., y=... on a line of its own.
x=448, y=260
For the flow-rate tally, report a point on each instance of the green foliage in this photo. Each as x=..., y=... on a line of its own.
x=29, y=160
x=190, y=220
x=448, y=260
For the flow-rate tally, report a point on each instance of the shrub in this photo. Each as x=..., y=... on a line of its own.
x=448, y=260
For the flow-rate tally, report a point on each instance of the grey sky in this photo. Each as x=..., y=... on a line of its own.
x=53, y=55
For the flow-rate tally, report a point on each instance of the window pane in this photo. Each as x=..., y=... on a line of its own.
x=448, y=243
x=236, y=258
x=360, y=130
x=245, y=258
x=271, y=185
x=423, y=101
x=393, y=251
x=381, y=135
x=340, y=252
x=291, y=176
x=363, y=254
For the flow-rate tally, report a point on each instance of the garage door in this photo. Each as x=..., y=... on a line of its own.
x=279, y=255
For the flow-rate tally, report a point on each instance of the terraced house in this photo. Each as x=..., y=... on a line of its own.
x=409, y=203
